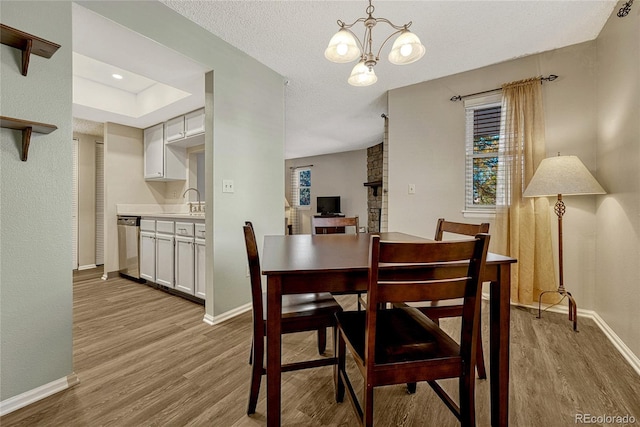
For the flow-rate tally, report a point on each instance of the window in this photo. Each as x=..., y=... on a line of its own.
x=483, y=126
x=302, y=187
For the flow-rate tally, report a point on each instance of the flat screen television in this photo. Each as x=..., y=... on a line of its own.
x=328, y=205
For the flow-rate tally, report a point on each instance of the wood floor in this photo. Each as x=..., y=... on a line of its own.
x=145, y=358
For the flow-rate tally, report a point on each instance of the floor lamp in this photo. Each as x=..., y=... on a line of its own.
x=562, y=175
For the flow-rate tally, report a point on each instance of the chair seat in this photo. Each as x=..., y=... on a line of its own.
x=401, y=336
x=301, y=305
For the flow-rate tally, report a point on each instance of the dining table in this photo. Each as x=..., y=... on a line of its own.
x=338, y=263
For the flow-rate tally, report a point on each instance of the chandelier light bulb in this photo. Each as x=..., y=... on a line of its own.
x=406, y=49
x=342, y=47
x=362, y=75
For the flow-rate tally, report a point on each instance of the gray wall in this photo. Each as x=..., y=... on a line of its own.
x=591, y=111
x=35, y=206
x=245, y=142
x=618, y=217
x=427, y=148
x=341, y=174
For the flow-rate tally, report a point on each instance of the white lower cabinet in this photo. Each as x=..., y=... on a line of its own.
x=172, y=254
x=148, y=256
x=200, y=247
x=185, y=265
x=164, y=260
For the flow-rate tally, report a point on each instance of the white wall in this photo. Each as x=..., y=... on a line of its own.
x=86, y=199
x=124, y=183
x=245, y=142
x=35, y=206
x=618, y=217
x=340, y=174
x=426, y=148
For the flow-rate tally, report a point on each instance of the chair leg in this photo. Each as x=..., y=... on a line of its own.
x=257, y=370
x=467, y=400
x=482, y=372
x=322, y=340
x=368, y=405
x=340, y=349
x=251, y=353
x=411, y=388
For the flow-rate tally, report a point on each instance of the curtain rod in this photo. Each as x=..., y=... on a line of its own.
x=455, y=98
x=297, y=167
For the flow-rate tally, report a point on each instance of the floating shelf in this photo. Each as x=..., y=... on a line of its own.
x=28, y=44
x=374, y=186
x=27, y=127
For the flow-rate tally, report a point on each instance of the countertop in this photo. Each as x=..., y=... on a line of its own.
x=183, y=215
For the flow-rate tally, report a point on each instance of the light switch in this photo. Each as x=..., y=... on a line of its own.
x=412, y=189
x=227, y=186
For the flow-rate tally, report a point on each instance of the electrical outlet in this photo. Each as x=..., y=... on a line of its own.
x=412, y=189
x=175, y=194
x=227, y=186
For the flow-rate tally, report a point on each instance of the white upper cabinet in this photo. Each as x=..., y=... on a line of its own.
x=174, y=128
x=154, y=152
x=161, y=161
x=185, y=131
x=194, y=123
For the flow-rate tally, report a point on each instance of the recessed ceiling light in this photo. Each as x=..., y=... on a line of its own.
x=116, y=76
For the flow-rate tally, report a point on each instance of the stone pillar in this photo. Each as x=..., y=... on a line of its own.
x=374, y=173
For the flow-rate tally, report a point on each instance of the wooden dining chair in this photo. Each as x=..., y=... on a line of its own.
x=300, y=313
x=446, y=228
x=402, y=345
x=333, y=225
x=337, y=225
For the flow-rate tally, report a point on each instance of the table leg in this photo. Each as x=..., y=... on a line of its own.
x=499, y=342
x=274, y=349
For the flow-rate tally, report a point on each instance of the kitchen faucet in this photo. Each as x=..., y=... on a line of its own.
x=190, y=205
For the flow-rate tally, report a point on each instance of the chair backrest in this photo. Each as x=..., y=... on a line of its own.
x=333, y=225
x=459, y=228
x=256, y=282
x=423, y=272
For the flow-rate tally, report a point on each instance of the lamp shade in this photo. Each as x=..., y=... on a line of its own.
x=406, y=49
x=361, y=75
x=565, y=175
x=342, y=47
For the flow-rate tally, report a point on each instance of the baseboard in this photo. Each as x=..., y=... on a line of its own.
x=39, y=393
x=214, y=320
x=87, y=267
x=617, y=342
x=625, y=351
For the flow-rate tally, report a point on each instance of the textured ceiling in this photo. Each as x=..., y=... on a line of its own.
x=324, y=113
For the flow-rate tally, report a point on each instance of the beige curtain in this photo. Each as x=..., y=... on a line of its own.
x=522, y=228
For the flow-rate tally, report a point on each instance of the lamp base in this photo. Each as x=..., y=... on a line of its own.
x=573, y=308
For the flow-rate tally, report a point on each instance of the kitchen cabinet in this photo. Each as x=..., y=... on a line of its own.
x=172, y=254
x=194, y=123
x=200, y=261
x=163, y=162
x=165, y=253
x=185, y=131
x=148, y=256
x=185, y=265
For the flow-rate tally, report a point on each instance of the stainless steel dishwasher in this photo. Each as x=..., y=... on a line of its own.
x=128, y=246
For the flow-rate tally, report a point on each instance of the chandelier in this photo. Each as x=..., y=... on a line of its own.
x=345, y=46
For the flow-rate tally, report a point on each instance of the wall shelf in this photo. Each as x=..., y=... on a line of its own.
x=27, y=127
x=374, y=186
x=28, y=44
